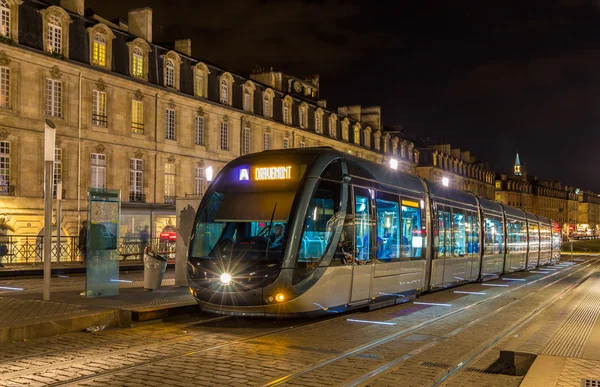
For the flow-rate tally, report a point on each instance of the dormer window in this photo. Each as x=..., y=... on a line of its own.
x=5, y=18
x=268, y=103
x=170, y=74
x=9, y=19
x=99, y=51
x=249, y=96
x=303, y=114
x=200, y=80
x=345, y=125
x=319, y=121
x=54, y=35
x=287, y=110
x=357, y=134
x=333, y=126
x=101, y=38
x=138, y=63
x=226, y=82
x=139, y=51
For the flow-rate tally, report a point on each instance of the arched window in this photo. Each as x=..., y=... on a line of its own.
x=302, y=115
x=54, y=35
x=99, y=50
x=247, y=100
x=357, y=134
x=332, y=126
x=319, y=121
x=5, y=18
x=267, y=107
x=170, y=74
x=224, y=91
x=200, y=79
x=137, y=67
x=286, y=113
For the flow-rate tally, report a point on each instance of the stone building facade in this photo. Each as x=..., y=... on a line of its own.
x=148, y=119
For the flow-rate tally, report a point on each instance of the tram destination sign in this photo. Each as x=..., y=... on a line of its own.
x=265, y=173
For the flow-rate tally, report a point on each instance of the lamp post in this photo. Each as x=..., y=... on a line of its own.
x=49, y=141
x=58, y=218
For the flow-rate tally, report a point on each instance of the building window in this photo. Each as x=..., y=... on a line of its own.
x=247, y=100
x=246, y=140
x=98, y=175
x=199, y=131
x=99, y=108
x=54, y=35
x=367, y=140
x=319, y=121
x=170, y=74
x=357, y=135
x=169, y=183
x=332, y=127
x=302, y=144
x=136, y=178
x=53, y=98
x=58, y=169
x=345, y=130
x=224, y=136
x=267, y=141
x=286, y=143
x=4, y=87
x=137, y=66
x=302, y=115
x=99, y=50
x=267, y=107
x=5, y=18
x=137, y=117
x=224, y=91
x=286, y=113
x=199, y=182
x=199, y=85
x=4, y=167
x=170, y=124
x=200, y=79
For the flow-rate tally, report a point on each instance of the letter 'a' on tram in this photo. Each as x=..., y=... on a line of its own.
x=316, y=231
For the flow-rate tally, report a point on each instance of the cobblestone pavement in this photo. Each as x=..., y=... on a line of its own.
x=425, y=341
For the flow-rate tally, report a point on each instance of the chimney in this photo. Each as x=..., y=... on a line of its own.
x=140, y=23
x=184, y=46
x=76, y=6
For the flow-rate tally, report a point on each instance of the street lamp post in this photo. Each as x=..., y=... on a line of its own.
x=49, y=141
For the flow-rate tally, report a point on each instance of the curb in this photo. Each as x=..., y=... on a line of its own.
x=36, y=330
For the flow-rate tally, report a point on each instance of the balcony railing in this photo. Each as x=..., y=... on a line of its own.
x=137, y=197
x=7, y=190
x=169, y=199
x=137, y=127
x=99, y=120
x=29, y=249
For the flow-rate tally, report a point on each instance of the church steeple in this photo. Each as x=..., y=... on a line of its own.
x=517, y=166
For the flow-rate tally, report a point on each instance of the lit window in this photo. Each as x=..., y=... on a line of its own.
x=224, y=136
x=137, y=67
x=357, y=135
x=246, y=140
x=318, y=122
x=5, y=18
x=247, y=100
x=58, y=169
x=199, y=131
x=136, y=178
x=267, y=141
x=137, y=117
x=99, y=50
x=199, y=85
x=199, y=182
x=99, y=108
x=4, y=87
x=170, y=183
x=170, y=74
x=302, y=117
x=170, y=124
x=98, y=173
x=54, y=35
x=4, y=167
x=224, y=91
x=286, y=143
x=53, y=98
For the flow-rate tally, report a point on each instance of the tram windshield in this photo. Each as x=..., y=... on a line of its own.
x=245, y=218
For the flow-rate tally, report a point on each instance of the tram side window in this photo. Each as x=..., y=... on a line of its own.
x=493, y=236
x=388, y=227
x=458, y=233
x=472, y=230
x=363, y=234
x=445, y=232
x=412, y=235
x=321, y=221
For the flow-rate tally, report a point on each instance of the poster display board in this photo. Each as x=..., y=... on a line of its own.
x=186, y=214
x=102, y=255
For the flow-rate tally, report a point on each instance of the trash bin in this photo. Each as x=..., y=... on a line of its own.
x=154, y=270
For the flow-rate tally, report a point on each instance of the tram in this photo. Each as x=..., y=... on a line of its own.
x=316, y=231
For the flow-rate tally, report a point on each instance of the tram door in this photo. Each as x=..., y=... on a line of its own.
x=363, y=226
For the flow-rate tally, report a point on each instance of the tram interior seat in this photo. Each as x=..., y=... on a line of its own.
x=313, y=246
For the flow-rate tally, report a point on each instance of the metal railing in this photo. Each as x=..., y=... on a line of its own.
x=29, y=249
x=170, y=199
x=137, y=127
x=137, y=197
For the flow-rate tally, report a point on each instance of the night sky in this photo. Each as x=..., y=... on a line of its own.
x=488, y=76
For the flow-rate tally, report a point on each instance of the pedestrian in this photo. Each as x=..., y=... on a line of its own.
x=83, y=241
x=4, y=228
x=144, y=238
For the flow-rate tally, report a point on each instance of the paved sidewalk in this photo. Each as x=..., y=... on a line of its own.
x=24, y=315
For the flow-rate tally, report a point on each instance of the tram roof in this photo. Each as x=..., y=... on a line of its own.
x=490, y=205
x=514, y=212
x=450, y=195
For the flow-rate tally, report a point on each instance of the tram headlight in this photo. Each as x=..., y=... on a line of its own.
x=280, y=297
x=225, y=278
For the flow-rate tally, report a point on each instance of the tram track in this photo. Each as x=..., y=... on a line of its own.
x=412, y=329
